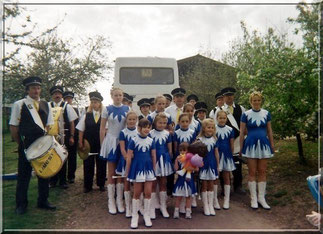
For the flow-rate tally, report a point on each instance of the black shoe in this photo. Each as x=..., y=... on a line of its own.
x=86, y=190
x=71, y=181
x=46, y=206
x=63, y=186
x=20, y=210
x=102, y=188
x=240, y=191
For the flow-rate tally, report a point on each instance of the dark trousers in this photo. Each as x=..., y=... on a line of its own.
x=237, y=173
x=24, y=174
x=60, y=177
x=88, y=169
x=71, y=161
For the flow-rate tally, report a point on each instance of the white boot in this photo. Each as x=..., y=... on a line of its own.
x=111, y=199
x=152, y=211
x=253, y=194
x=147, y=213
x=157, y=201
x=188, y=214
x=163, y=207
x=194, y=203
x=226, y=203
x=210, y=198
x=120, y=205
x=182, y=206
x=216, y=202
x=127, y=200
x=261, y=195
x=205, y=204
x=141, y=204
x=135, y=215
x=176, y=213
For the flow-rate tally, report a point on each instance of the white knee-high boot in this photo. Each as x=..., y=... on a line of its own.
x=147, y=212
x=135, y=215
x=163, y=206
x=210, y=198
x=216, y=201
x=253, y=194
x=261, y=195
x=111, y=199
x=120, y=205
x=127, y=199
x=205, y=204
x=152, y=211
x=226, y=203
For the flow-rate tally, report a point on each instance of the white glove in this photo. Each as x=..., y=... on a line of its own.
x=314, y=218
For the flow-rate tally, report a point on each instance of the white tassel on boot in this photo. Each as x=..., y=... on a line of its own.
x=216, y=201
x=111, y=199
x=253, y=194
x=261, y=195
x=127, y=200
x=135, y=215
x=120, y=205
x=210, y=198
x=182, y=206
x=163, y=206
x=205, y=204
x=147, y=213
x=226, y=203
x=141, y=204
x=152, y=211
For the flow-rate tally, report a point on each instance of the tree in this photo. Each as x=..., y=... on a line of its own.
x=58, y=61
x=287, y=77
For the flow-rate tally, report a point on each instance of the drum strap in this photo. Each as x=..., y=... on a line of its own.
x=34, y=113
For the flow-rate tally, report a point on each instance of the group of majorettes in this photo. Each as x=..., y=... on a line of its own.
x=142, y=154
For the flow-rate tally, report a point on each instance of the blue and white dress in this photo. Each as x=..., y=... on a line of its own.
x=116, y=121
x=183, y=135
x=164, y=165
x=194, y=125
x=184, y=187
x=151, y=117
x=224, y=135
x=125, y=135
x=209, y=170
x=257, y=144
x=141, y=168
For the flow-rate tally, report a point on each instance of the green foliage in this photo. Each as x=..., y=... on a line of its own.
x=287, y=76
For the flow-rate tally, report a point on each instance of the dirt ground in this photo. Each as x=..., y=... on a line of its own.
x=78, y=210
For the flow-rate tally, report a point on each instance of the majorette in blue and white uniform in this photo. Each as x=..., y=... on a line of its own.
x=194, y=125
x=183, y=135
x=209, y=170
x=164, y=165
x=257, y=144
x=151, y=117
x=125, y=135
x=141, y=168
x=116, y=120
x=224, y=134
x=184, y=187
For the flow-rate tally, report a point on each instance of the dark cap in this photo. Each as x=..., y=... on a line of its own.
x=68, y=94
x=192, y=97
x=168, y=96
x=228, y=91
x=128, y=97
x=200, y=106
x=178, y=91
x=151, y=101
x=95, y=96
x=218, y=95
x=31, y=80
x=143, y=102
x=56, y=88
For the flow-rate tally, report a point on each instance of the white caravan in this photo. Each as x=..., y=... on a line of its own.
x=145, y=77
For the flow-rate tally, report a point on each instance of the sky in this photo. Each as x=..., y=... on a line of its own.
x=176, y=31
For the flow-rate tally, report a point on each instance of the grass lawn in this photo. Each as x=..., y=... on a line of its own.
x=34, y=218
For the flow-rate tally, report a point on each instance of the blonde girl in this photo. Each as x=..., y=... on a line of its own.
x=210, y=171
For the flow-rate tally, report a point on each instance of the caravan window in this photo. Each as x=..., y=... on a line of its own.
x=146, y=75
